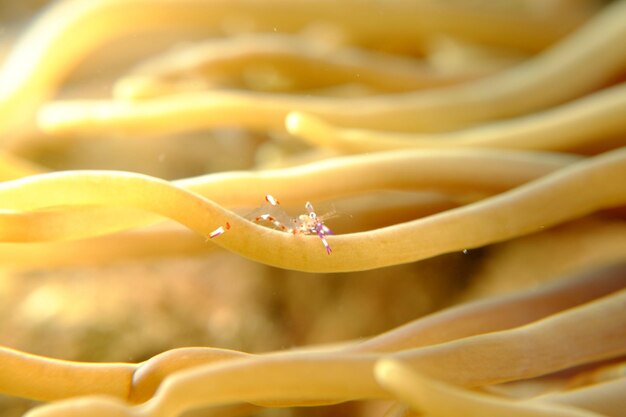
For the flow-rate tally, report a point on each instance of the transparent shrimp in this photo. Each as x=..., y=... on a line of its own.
x=307, y=224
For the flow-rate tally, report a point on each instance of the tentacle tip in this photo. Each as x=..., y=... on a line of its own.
x=387, y=369
x=292, y=122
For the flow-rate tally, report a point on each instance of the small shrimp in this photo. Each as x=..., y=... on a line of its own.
x=307, y=224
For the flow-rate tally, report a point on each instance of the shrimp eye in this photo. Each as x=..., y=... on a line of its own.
x=312, y=215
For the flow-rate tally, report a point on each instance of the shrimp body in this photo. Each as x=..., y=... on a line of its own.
x=306, y=224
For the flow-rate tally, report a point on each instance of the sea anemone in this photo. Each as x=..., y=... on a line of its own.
x=466, y=163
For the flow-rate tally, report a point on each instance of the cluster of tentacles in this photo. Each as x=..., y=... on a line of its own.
x=437, y=127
